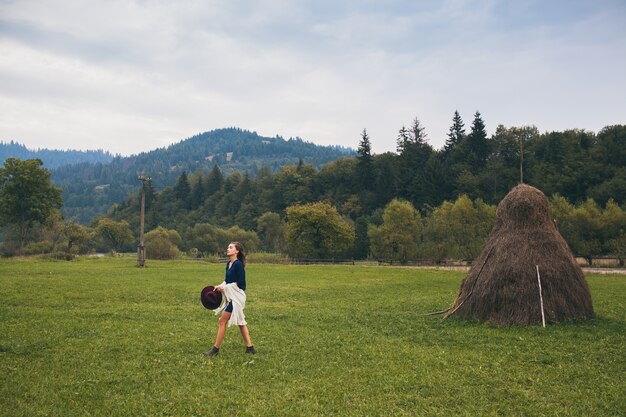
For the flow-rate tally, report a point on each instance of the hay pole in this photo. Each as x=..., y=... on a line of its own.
x=437, y=312
x=472, y=289
x=543, y=317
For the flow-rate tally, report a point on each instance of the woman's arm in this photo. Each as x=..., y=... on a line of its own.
x=240, y=275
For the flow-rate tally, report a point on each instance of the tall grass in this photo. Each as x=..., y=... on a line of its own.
x=100, y=337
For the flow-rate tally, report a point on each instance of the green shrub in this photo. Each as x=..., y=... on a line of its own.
x=9, y=249
x=267, y=258
x=37, y=248
x=210, y=239
x=58, y=256
x=162, y=243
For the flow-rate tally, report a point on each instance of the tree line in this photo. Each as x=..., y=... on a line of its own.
x=89, y=189
x=414, y=203
x=52, y=158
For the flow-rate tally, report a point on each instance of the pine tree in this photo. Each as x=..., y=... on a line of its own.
x=413, y=157
x=214, y=181
x=365, y=148
x=182, y=189
x=417, y=135
x=477, y=144
x=197, y=193
x=456, y=134
x=365, y=167
x=403, y=140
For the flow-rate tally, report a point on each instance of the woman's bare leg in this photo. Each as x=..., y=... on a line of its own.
x=246, y=335
x=221, y=329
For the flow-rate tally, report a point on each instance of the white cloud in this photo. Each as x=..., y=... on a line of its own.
x=129, y=76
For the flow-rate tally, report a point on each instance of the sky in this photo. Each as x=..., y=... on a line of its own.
x=132, y=76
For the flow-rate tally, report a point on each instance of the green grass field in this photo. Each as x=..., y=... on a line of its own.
x=100, y=337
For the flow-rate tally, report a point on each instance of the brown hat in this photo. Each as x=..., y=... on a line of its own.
x=211, y=299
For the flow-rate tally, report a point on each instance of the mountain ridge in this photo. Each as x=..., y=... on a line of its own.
x=53, y=158
x=90, y=188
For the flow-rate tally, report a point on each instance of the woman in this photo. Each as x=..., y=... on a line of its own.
x=233, y=288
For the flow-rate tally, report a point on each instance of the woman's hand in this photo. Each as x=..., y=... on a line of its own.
x=219, y=288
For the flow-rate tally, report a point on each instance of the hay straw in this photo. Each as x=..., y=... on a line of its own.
x=524, y=236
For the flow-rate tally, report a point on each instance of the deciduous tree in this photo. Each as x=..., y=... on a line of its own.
x=362, y=241
x=458, y=229
x=115, y=234
x=614, y=231
x=397, y=238
x=27, y=196
x=271, y=231
x=78, y=237
x=316, y=230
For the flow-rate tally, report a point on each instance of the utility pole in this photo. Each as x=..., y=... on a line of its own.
x=141, y=250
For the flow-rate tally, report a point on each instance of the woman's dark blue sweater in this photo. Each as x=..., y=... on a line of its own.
x=236, y=273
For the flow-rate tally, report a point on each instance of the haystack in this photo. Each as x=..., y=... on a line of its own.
x=502, y=286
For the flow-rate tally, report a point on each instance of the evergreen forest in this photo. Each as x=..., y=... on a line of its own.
x=91, y=187
x=330, y=202
x=53, y=158
x=574, y=168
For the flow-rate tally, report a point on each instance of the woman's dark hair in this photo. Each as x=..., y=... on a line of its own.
x=241, y=255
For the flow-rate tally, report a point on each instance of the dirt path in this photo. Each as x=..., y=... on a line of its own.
x=605, y=271
x=600, y=271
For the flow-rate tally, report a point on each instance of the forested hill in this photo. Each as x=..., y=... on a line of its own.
x=89, y=189
x=233, y=150
x=50, y=157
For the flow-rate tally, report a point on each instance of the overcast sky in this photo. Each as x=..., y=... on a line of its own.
x=131, y=76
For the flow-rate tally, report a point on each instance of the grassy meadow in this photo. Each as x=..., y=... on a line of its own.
x=100, y=337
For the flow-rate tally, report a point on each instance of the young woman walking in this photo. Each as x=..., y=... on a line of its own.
x=233, y=289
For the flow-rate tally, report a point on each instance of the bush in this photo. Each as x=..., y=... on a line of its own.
x=160, y=248
x=162, y=243
x=37, y=248
x=58, y=256
x=209, y=239
x=9, y=249
x=267, y=258
x=213, y=258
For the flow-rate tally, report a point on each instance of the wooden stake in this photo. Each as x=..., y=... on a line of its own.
x=543, y=317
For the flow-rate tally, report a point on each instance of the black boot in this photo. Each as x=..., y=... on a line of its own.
x=213, y=352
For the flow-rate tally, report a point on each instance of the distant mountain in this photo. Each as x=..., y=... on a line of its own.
x=52, y=158
x=90, y=188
